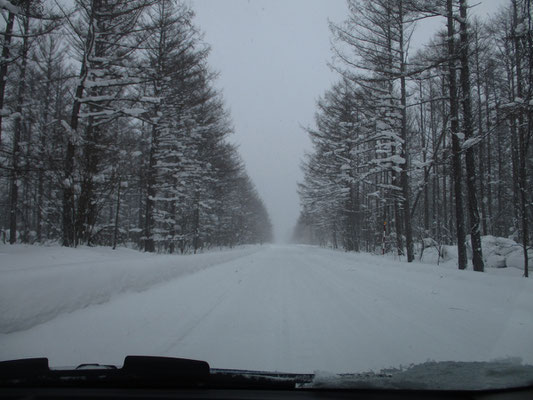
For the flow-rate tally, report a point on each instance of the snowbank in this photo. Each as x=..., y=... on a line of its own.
x=446, y=375
x=498, y=252
x=39, y=283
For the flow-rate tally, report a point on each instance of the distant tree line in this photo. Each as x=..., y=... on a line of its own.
x=112, y=132
x=434, y=145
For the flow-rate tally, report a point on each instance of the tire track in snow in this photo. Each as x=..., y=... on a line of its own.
x=189, y=329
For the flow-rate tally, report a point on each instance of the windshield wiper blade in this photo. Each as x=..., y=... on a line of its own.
x=19, y=368
x=143, y=372
x=245, y=379
x=137, y=371
x=182, y=369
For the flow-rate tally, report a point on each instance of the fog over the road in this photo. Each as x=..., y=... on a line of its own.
x=272, y=57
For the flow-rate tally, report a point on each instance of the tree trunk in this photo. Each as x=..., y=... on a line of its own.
x=489, y=157
x=70, y=238
x=404, y=176
x=481, y=154
x=6, y=50
x=43, y=137
x=456, y=146
x=172, y=230
x=149, y=244
x=196, y=225
x=117, y=213
x=424, y=160
x=522, y=149
x=15, y=173
x=87, y=204
x=475, y=235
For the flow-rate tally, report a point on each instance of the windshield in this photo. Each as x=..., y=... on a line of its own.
x=302, y=186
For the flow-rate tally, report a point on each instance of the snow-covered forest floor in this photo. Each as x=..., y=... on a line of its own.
x=288, y=308
x=498, y=252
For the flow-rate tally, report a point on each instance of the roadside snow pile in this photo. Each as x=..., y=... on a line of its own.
x=498, y=252
x=446, y=375
x=39, y=283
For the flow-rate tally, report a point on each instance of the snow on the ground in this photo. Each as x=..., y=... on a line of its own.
x=296, y=309
x=497, y=252
x=445, y=375
x=38, y=283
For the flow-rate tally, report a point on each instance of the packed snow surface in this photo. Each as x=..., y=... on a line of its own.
x=40, y=283
x=278, y=308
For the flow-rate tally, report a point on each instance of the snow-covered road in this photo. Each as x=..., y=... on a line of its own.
x=299, y=309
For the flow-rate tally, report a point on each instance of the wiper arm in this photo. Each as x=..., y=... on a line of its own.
x=137, y=371
x=142, y=372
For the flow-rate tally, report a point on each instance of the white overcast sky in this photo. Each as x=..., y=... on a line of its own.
x=272, y=57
